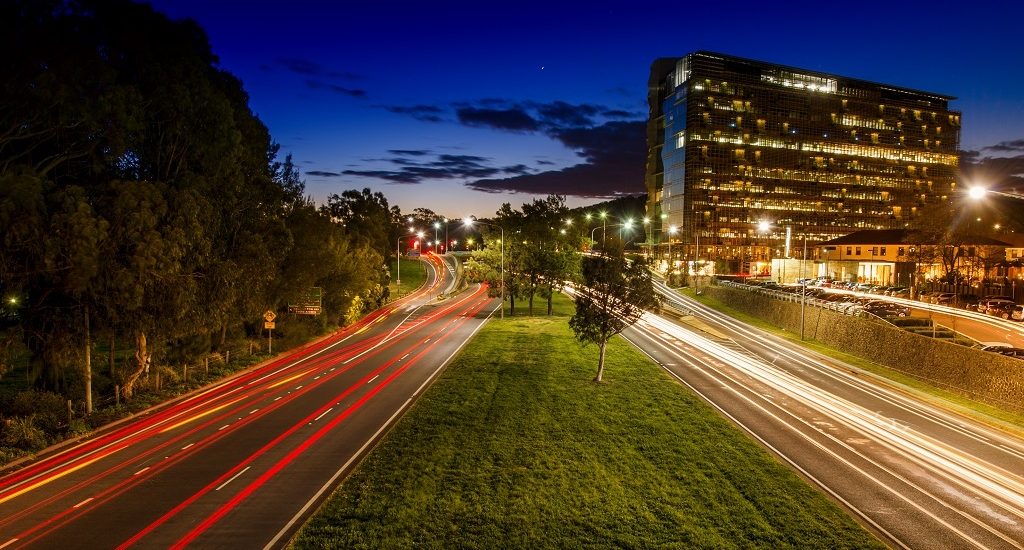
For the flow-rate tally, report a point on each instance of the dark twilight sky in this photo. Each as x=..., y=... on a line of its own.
x=461, y=106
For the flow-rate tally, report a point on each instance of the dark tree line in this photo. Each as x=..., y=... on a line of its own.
x=542, y=252
x=143, y=204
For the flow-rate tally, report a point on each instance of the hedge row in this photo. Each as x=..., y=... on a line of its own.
x=988, y=377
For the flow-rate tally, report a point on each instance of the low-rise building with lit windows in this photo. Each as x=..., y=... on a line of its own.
x=734, y=142
x=900, y=257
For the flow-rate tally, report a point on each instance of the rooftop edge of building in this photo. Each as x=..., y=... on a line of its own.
x=659, y=63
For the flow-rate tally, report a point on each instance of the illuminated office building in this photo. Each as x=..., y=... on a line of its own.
x=733, y=143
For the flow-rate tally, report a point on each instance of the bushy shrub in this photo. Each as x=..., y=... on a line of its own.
x=23, y=433
x=49, y=410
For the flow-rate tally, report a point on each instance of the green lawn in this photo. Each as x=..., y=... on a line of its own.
x=413, y=275
x=516, y=447
x=983, y=412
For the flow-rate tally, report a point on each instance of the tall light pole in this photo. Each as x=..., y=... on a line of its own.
x=398, y=262
x=469, y=223
x=604, y=226
x=445, y=235
x=437, y=226
x=647, y=233
x=628, y=224
x=671, y=231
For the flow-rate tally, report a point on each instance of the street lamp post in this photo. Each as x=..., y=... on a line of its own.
x=437, y=226
x=671, y=231
x=628, y=224
x=468, y=223
x=398, y=262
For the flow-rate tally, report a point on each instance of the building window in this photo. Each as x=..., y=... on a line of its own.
x=849, y=251
x=883, y=251
x=858, y=251
x=901, y=251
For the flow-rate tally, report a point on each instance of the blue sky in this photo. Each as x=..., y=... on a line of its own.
x=461, y=106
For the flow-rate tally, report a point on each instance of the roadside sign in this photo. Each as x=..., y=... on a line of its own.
x=311, y=302
x=269, y=324
x=269, y=316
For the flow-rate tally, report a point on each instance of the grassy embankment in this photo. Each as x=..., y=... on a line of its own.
x=515, y=447
x=413, y=275
x=976, y=409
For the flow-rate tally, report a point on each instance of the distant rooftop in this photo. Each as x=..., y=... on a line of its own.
x=899, y=236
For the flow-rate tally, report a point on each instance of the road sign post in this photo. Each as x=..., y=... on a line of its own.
x=268, y=317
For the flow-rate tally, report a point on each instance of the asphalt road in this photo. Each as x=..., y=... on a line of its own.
x=977, y=326
x=918, y=475
x=243, y=463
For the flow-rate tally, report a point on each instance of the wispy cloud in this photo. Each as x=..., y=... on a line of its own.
x=321, y=85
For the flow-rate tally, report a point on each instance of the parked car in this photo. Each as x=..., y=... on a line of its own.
x=993, y=346
x=968, y=302
x=925, y=296
x=899, y=292
x=1002, y=310
x=1011, y=352
x=993, y=306
x=886, y=309
x=1017, y=313
x=943, y=298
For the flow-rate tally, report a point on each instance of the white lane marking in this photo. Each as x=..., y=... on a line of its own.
x=323, y=414
x=372, y=379
x=298, y=387
x=278, y=397
x=83, y=503
x=187, y=446
x=317, y=377
x=8, y=543
x=252, y=411
x=234, y=477
x=140, y=471
x=404, y=356
x=222, y=427
x=426, y=341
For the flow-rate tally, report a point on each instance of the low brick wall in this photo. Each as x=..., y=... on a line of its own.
x=970, y=372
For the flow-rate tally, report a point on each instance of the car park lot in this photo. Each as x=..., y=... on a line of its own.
x=978, y=319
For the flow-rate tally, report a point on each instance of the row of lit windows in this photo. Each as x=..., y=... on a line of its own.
x=790, y=205
x=818, y=84
x=851, y=149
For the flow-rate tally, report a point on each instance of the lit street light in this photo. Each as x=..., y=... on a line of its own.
x=469, y=223
x=978, y=192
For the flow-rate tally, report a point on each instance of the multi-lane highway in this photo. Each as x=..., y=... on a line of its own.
x=920, y=476
x=241, y=464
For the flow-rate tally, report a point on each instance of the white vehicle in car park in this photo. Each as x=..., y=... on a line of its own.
x=1017, y=313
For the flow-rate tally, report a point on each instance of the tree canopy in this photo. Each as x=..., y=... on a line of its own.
x=613, y=295
x=142, y=200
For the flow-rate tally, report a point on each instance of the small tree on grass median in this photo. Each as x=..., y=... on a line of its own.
x=614, y=294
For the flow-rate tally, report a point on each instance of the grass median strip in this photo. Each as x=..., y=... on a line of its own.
x=515, y=446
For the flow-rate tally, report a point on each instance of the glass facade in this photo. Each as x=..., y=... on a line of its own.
x=733, y=143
